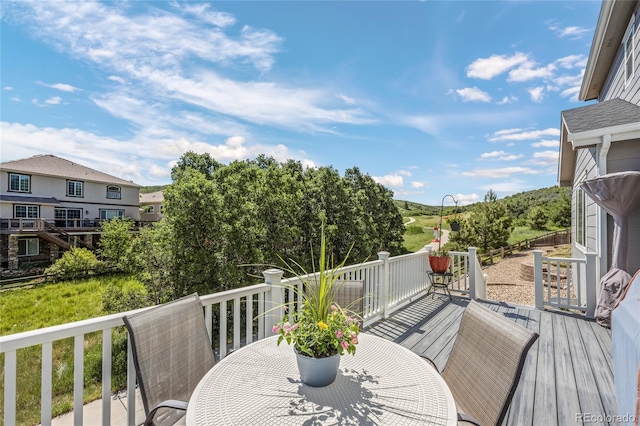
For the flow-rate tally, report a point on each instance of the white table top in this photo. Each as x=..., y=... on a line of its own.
x=384, y=383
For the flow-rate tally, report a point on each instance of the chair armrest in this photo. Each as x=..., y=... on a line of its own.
x=465, y=419
x=169, y=403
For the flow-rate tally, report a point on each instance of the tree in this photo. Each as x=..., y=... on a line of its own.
x=489, y=226
x=115, y=242
x=538, y=218
x=561, y=211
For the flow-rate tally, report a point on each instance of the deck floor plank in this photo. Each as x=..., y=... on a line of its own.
x=566, y=372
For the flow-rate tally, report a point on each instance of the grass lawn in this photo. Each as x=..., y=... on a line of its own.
x=521, y=233
x=31, y=308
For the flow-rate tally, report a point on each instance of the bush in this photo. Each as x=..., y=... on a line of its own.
x=75, y=263
x=538, y=218
x=115, y=299
x=414, y=229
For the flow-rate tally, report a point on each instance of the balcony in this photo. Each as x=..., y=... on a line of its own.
x=567, y=375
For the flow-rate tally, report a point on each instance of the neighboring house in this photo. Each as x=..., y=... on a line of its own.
x=48, y=203
x=151, y=206
x=604, y=137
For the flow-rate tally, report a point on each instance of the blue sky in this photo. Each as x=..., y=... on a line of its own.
x=430, y=98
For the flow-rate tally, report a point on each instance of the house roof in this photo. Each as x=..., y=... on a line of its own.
x=50, y=165
x=29, y=199
x=610, y=29
x=611, y=113
x=586, y=126
x=152, y=197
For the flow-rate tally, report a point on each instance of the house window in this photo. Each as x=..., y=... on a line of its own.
x=580, y=217
x=74, y=188
x=65, y=217
x=628, y=44
x=161, y=208
x=110, y=214
x=151, y=209
x=23, y=211
x=28, y=247
x=19, y=183
x=113, y=192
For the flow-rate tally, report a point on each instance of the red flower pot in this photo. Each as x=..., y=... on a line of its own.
x=439, y=264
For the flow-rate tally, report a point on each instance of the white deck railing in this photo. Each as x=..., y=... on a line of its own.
x=234, y=318
x=569, y=283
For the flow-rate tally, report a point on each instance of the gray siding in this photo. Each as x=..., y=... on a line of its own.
x=585, y=162
x=614, y=87
x=625, y=156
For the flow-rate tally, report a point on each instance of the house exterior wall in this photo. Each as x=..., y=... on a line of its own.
x=93, y=200
x=624, y=156
x=585, y=169
x=615, y=86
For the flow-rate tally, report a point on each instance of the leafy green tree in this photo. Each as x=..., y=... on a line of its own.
x=561, y=211
x=116, y=241
x=538, y=218
x=204, y=163
x=489, y=226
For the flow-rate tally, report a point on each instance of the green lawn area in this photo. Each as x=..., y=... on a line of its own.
x=31, y=308
x=521, y=233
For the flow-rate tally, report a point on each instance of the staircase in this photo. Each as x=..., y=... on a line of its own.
x=49, y=234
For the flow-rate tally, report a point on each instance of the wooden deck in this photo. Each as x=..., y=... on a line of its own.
x=568, y=371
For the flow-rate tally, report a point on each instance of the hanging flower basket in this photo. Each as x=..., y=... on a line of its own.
x=455, y=225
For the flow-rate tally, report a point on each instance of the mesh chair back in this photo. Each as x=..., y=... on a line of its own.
x=349, y=295
x=486, y=362
x=172, y=352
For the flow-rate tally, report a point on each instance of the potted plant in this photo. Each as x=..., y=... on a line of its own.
x=439, y=261
x=320, y=330
x=454, y=222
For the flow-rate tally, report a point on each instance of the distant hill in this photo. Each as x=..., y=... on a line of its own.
x=149, y=189
x=518, y=204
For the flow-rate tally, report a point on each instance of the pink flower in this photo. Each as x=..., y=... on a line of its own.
x=293, y=327
x=354, y=340
x=354, y=335
x=334, y=308
x=339, y=334
x=345, y=345
x=275, y=329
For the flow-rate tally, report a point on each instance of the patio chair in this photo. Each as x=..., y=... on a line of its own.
x=171, y=352
x=485, y=364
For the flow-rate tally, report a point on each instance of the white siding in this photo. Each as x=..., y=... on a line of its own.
x=615, y=87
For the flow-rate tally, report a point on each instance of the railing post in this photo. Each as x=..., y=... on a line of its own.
x=473, y=273
x=591, y=284
x=537, y=279
x=273, y=299
x=384, y=285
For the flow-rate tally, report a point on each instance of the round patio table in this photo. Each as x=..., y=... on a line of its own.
x=384, y=383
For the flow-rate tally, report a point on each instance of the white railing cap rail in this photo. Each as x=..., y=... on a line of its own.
x=340, y=271
x=405, y=256
x=235, y=293
x=565, y=259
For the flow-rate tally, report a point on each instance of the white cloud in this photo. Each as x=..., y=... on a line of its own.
x=416, y=184
x=521, y=135
x=404, y=173
x=500, y=173
x=391, y=180
x=487, y=68
x=528, y=72
x=508, y=100
x=546, y=144
x=572, y=61
x=469, y=94
x=7, y=88
x=545, y=158
x=571, y=93
x=507, y=188
x=54, y=100
x=464, y=199
x=202, y=11
x=537, y=93
x=117, y=79
x=151, y=154
x=500, y=156
x=346, y=99
x=572, y=32
x=59, y=86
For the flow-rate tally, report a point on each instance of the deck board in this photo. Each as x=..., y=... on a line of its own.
x=567, y=371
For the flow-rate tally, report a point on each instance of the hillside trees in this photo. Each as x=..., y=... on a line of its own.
x=221, y=218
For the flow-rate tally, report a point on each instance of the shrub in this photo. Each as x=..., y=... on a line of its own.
x=414, y=229
x=74, y=263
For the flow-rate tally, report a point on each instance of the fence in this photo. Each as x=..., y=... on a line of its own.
x=234, y=318
x=551, y=239
x=566, y=283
